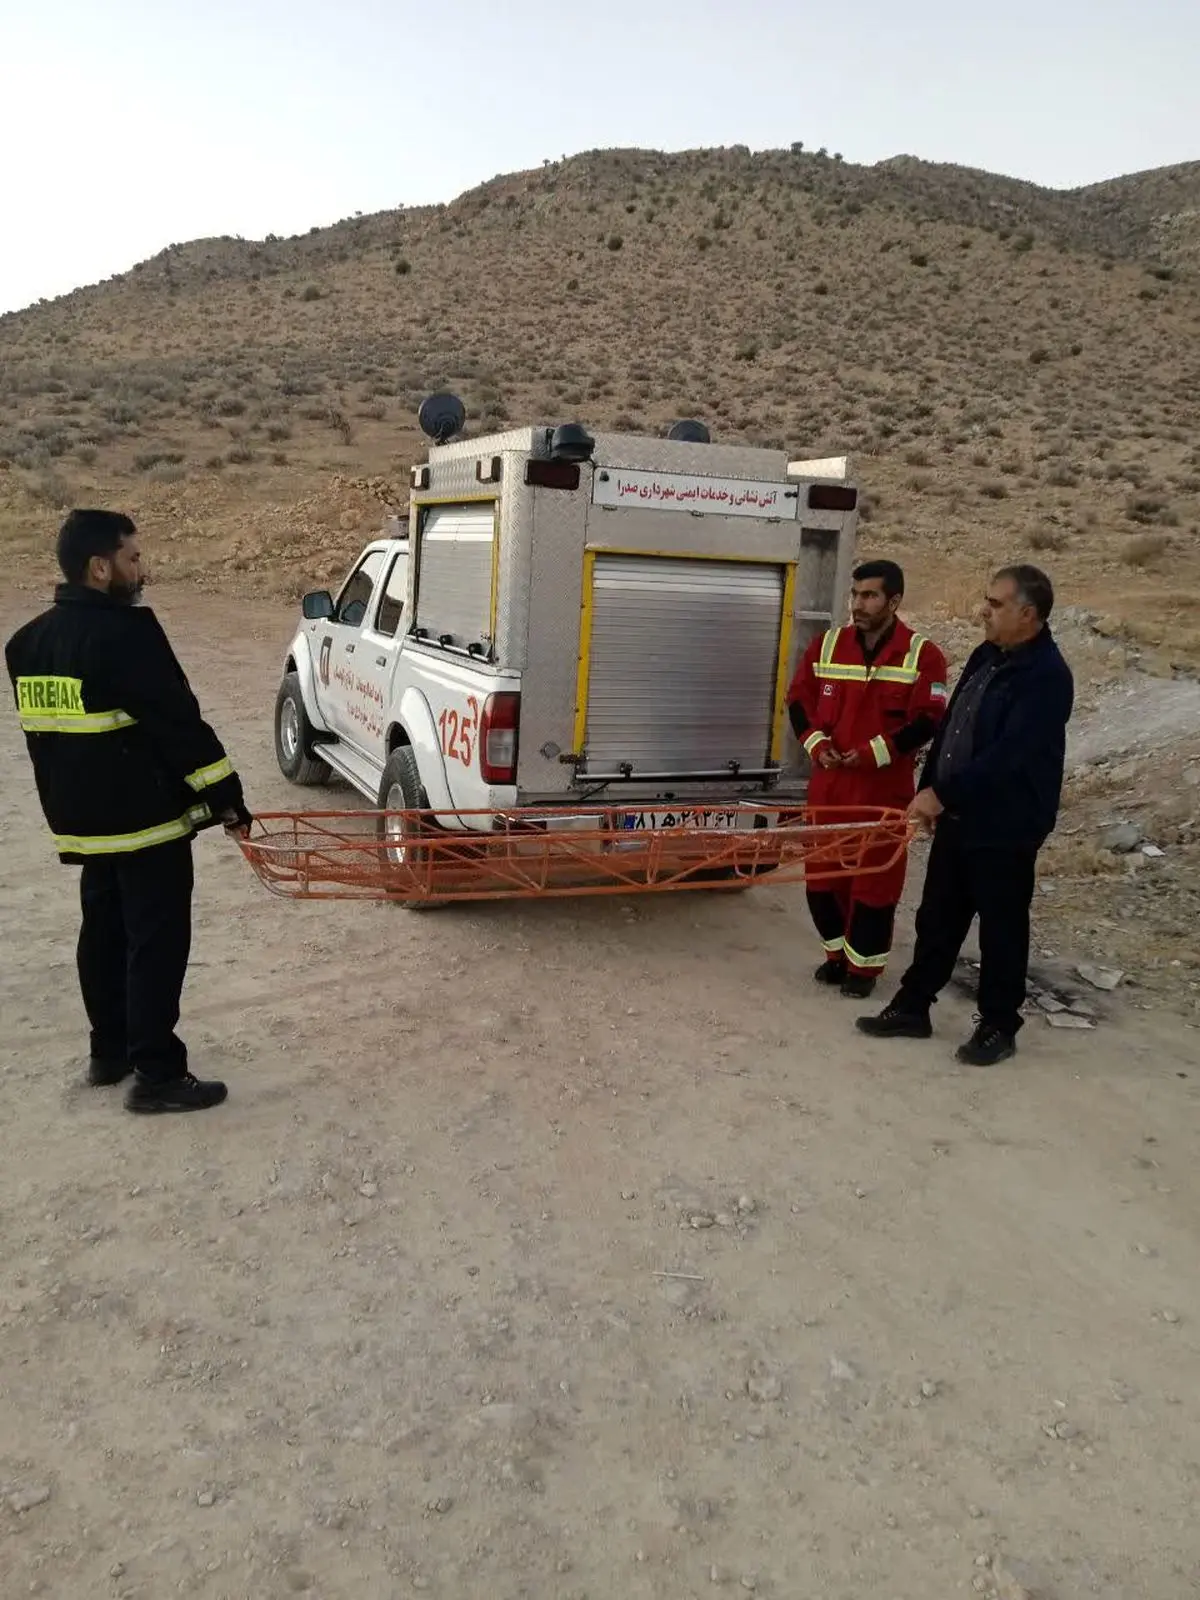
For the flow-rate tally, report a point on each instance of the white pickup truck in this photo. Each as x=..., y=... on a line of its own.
x=567, y=617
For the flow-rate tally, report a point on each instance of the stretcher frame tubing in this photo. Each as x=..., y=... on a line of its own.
x=341, y=855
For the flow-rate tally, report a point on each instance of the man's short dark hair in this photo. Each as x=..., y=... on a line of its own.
x=90, y=533
x=1033, y=588
x=891, y=576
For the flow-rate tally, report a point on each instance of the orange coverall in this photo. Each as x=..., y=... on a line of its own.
x=884, y=705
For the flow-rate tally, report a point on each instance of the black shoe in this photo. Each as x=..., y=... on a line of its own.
x=153, y=1096
x=831, y=973
x=894, y=1022
x=988, y=1046
x=858, y=986
x=103, y=1074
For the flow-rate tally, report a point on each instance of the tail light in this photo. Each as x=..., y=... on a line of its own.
x=498, y=738
x=552, y=474
x=831, y=497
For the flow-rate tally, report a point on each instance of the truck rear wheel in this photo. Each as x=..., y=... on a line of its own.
x=724, y=874
x=401, y=790
x=294, y=737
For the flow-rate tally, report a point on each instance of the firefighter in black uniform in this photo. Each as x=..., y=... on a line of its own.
x=127, y=771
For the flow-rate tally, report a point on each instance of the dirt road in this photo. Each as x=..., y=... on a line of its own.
x=576, y=1250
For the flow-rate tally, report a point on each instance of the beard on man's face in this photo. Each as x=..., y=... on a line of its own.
x=126, y=594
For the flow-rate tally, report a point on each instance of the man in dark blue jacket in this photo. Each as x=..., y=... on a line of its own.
x=990, y=793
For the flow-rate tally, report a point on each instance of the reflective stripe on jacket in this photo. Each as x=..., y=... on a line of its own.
x=122, y=757
x=883, y=709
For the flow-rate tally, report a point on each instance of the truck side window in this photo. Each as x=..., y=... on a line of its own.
x=356, y=595
x=391, y=606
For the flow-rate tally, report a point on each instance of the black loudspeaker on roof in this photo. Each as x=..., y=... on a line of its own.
x=571, y=441
x=690, y=432
x=441, y=416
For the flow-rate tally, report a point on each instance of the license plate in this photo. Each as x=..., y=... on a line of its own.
x=639, y=821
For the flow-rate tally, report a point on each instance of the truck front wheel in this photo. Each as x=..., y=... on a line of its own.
x=294, y=737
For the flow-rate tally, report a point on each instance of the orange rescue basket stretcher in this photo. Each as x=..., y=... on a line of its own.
x=429, y=857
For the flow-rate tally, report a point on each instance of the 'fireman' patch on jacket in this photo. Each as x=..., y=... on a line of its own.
x=61, y=695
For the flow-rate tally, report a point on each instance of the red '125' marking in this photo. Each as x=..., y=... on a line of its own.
x=458, y=732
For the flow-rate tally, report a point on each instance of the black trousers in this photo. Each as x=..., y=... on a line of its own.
x=995, y=884
x=133, y=954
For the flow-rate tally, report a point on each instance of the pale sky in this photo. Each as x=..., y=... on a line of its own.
x=127, y=125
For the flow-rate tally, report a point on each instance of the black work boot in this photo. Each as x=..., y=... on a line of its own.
x=155, y=1096
x=988, y=1046
x=831, y=973
x=103, y=1074
x=858, y=986
x=896, y=1021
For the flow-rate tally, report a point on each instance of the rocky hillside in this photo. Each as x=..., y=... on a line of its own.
x=1014, y=368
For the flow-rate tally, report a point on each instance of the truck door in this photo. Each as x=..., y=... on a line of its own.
x=375, y=658
x=339, y=644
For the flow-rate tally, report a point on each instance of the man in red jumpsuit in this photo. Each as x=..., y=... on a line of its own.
x=863, y=702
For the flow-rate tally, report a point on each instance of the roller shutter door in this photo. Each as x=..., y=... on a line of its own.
x=454, y=576
x=682, y=664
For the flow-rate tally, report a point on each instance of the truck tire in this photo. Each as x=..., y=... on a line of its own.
x=401, y=790
x=724, y=874
x=294, y=737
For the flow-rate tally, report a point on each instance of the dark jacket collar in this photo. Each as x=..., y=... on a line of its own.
x=1025, y=655
x=78, y=594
